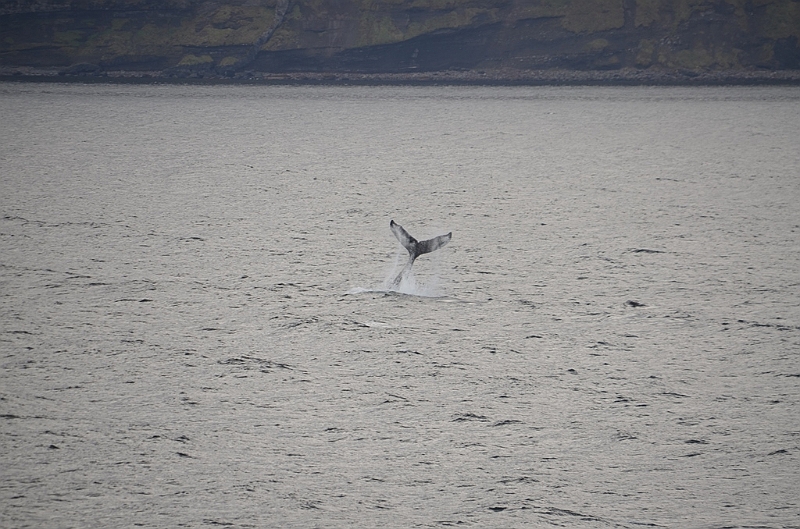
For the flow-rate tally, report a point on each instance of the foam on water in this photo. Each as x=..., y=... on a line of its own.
x=428, y=286
x=410, y=284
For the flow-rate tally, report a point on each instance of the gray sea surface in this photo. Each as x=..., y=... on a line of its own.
x=196, y=329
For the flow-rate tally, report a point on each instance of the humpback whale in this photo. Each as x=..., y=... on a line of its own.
x=415, y=248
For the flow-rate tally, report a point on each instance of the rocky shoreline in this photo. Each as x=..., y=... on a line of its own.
x=508, y=77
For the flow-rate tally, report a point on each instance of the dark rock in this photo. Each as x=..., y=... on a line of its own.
x=82, y=68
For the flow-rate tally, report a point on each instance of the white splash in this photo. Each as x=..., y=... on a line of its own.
x=409, y=283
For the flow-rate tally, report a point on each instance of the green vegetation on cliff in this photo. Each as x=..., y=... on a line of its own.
x=401, y=35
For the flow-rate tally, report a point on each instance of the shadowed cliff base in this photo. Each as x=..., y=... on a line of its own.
x=507, y=77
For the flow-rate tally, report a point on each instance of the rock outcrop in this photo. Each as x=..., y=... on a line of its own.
x=185, y=37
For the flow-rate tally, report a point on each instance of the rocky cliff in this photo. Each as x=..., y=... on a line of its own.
x=226, y=37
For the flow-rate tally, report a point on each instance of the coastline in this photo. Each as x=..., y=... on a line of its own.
x=507, y=77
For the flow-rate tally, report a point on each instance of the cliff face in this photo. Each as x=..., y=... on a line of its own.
x=399, y=35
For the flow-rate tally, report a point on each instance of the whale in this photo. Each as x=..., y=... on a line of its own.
x=415, y=248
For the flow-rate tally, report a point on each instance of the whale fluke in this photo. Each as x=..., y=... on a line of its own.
x=415, y=248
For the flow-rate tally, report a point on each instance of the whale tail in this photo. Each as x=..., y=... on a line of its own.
x=415, y=248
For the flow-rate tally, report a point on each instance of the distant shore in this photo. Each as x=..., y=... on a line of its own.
x=508, y=77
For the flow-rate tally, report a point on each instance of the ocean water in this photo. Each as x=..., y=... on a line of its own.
x=196, y=329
